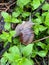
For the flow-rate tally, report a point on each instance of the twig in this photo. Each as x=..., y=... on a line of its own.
x=41, y=39
x=1, y=4
x=5, y=3
x=10, y=6
x=2, y=8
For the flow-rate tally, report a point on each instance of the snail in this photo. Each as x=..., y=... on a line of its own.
x=25, y=32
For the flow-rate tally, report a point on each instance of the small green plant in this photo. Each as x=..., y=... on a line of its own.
x=28, y=52
x=8, y=36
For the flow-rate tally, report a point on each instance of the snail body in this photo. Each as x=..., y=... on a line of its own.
x=25, y=32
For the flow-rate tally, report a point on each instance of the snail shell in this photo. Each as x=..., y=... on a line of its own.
x=25, y=32
x=26, y=36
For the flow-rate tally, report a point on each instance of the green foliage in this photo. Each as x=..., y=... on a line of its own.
x=15, y=14
x=39, y=28
x=8, y=18
x=3, y=61
x=25, y=14
x=11, y=50
x=27, y=50
x=7, y=36
x=38, y=20
x=25, y=61
x=35, y=4
x=19, y=54
x=42, y=53
x=14, y=57
x=46, y=6
x=47, y=19
x=7, y=26
x=42, y=45
x=22, y=3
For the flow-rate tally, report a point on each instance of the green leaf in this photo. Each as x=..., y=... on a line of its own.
x=14, y=63
x=7, y=26
x=48, y=47
x=44, y=14
x=12, y=33
x=38, y=28
x=9, y=39
x=25, y=14
x=35, y=3
x=34, y=53
x=42, y=53
x=14, y=50
x=47, y=40
x=13, y=54
x=19, y=10
x=42, y=28
x=45, y=6
x=15, y=14
x=22, y=3
x=16, y=41
x=37, y=14
x=38, y=20
x=15, y=20
x=47, y=20
x=4, y=36
x=42, y=45
x=25, y=61
x=6, y=16
x=11, y=57
x=27, y=50
x=3, y=61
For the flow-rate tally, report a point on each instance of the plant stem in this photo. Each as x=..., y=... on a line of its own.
x=48, y=58
x=37, y=61
x=44, y=62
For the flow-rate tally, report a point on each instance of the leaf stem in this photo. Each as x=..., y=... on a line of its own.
x=37, y=61
x=44, y=62
x=48, y=58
